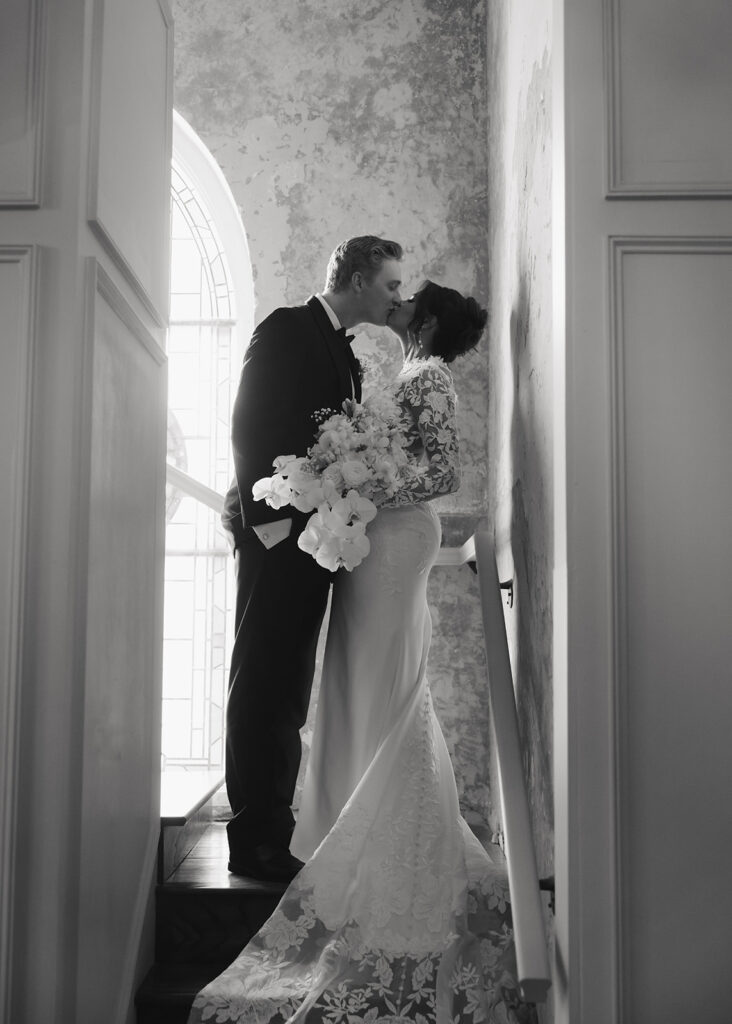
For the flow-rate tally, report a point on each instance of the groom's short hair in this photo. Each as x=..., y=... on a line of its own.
x=363, y=254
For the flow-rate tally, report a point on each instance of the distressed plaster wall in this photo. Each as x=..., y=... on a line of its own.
x=520, y=369
x=331, y=120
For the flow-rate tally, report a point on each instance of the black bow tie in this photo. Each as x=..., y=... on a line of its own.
x=342, y=336
x=353, y=363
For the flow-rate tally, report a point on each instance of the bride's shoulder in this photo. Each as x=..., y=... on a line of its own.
x=432, y=371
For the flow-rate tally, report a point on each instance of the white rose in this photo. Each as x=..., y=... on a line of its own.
x=386, y=470
x=354, y=473
x=332, y=475
x=329, y=439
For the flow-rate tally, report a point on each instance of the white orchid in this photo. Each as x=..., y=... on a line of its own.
x=353, y=550
x=329, y=555
x=335, y=522
x=313, y=535
x=362, y=509
x=283, y=463
x=301, y=479
x=306, y=501
x=272, y=489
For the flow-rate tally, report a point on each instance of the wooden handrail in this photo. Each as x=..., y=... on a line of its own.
x=194, y=488
x=523, y=880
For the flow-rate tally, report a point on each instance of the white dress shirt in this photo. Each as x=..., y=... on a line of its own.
x=337, y=326
x=330, y=314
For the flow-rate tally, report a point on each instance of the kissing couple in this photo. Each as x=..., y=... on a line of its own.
x=392, y=909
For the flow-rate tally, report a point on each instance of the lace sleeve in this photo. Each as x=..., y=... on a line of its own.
x=429, y=400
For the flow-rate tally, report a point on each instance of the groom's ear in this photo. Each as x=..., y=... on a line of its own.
x=357, y=281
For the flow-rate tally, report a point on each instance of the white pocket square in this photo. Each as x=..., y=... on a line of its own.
x=272, y=533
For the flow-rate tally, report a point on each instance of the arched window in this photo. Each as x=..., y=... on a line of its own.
x=211, y=316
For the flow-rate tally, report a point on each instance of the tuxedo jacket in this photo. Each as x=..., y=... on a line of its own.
x=295, y=365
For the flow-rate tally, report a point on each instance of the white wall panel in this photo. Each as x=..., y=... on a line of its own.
x=674, y=610
x=20, y=102
x=644, y=306
x=123, y=640
x=670, y=96
x=16, y=363
x=131, y=142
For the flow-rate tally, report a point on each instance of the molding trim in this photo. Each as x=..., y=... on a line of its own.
x=613, y=109
x=128, y=972
x=619, y=626
x=30, y=195
x=615, y=186
x=12, y=668
x=104, y=286
x=99, y=284
x=100, y=229
x=619, y=247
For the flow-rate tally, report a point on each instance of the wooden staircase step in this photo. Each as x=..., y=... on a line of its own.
x=167, y=993
x=189, y=802
x=204, y=918
x=197, y=925
x=204, y=914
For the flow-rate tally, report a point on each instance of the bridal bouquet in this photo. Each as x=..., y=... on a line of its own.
x=353, y=466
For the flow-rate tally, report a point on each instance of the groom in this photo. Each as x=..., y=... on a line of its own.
x=299, y=361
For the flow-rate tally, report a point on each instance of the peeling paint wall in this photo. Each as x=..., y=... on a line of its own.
x=520, y=369
x=337, y=119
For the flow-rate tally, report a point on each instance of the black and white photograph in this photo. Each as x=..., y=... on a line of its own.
x=365, y=512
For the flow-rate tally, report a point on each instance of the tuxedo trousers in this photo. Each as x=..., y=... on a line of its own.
x=282, y=595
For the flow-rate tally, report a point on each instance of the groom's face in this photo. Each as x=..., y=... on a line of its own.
x=380, y=295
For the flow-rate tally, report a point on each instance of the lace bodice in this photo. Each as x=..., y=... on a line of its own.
x=425, y=394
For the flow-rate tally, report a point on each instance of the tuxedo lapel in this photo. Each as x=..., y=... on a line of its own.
x=334, y=344
x=355, y=368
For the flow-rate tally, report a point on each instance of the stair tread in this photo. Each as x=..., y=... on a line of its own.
x=176, y=983
x=205, y=867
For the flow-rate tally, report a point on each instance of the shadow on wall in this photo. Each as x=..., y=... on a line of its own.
x=531, y=546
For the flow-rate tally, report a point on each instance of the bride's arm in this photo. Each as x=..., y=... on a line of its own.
x=431, y=397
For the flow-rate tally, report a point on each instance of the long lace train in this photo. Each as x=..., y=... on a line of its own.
x=399, y=913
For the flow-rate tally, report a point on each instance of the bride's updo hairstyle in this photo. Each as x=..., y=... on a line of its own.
x=460, y=320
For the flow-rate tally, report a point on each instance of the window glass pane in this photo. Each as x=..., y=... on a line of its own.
x=200, y=278
x=199, y=575
x=198, y=635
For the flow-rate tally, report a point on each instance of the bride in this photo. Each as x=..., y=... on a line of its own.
x=398, y=913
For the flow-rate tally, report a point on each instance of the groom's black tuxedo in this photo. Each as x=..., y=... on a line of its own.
x=295, y=365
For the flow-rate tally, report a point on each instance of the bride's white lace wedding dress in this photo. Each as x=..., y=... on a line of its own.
x=398, y=914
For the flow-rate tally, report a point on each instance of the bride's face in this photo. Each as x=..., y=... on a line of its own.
x=399, y=319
